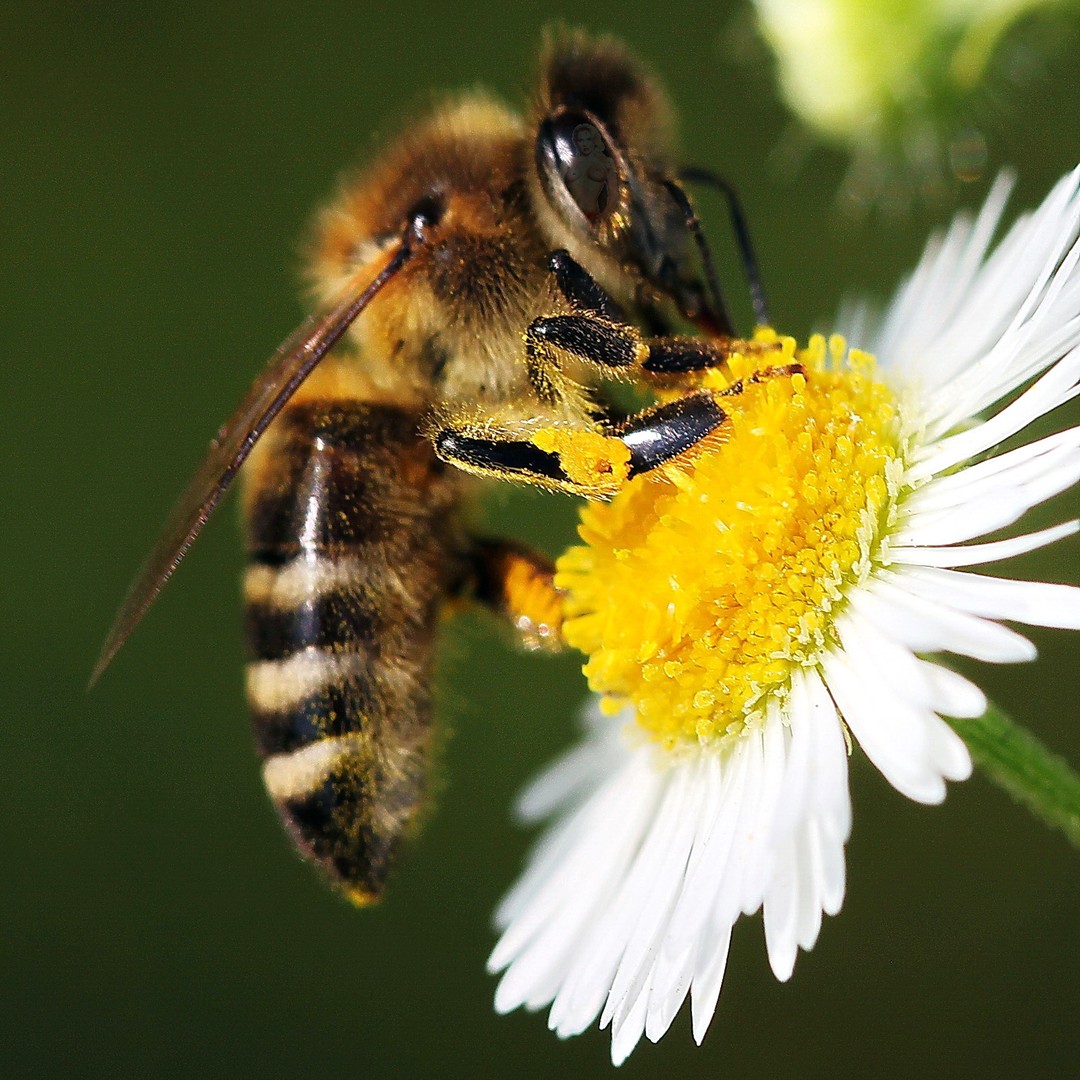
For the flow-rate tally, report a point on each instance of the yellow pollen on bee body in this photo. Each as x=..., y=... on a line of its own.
x=596, y=462
x=702, y=586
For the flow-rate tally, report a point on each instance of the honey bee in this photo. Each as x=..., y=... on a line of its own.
x=504, y=268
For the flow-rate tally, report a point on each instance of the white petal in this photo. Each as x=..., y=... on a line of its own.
x=899, y=670
x=968, y=334
x=1011, y=469
x=905, y=676
x=808, y=923
x=832, y=801
x=627, y=1032
x=750, y=851
x=630, y=899
x=915, y=750
x=781, y=912
x=630, y=780
x=653, y=896
x=1055, y=388
x=953, y=695
x=576, y=773
x=1035, y=602
x=808, y=874
x=709, y=867
x=707, y=982
x=774, y=796
x=927, y=303
x=949, y=752
x=894, y=735
x=992, y=510
x=576, y=887
x=1030, y=281
x=974, y=554
x=834, y=870
x=927, y=626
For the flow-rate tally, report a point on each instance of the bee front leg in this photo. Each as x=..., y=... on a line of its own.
x=581, y=289
x=620, y=348
x=598, y=332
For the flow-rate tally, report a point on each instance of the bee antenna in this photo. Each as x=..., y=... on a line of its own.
x=696, y=175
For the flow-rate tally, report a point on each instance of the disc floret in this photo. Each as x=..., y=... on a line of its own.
x=697, y=593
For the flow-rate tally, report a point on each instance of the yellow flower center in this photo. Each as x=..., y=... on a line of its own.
x=702, y=586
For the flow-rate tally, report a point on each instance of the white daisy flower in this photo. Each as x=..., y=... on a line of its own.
x=749, y=614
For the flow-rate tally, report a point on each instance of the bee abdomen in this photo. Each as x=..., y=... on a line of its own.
x=314, y=694
x=352, y=550
x=342, y=809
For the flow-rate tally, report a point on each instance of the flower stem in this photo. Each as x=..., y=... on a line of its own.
x=1015, y=760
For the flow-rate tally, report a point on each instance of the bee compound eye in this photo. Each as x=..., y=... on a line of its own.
x=578, y=165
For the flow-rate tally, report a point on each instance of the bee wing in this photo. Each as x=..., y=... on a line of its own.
x=287, y=369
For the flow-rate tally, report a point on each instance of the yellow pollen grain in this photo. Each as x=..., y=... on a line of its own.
x=597, y=463
x=700, y=588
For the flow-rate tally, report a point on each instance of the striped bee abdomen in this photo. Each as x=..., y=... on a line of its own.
x=353, y=545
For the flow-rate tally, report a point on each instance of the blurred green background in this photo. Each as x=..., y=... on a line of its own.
x=157, y=165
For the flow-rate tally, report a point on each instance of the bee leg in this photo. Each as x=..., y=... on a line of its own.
x=597, y=332
x=583, y=292
x=593, y=328
x=655, y=436
x=622, y=347
x=777, y=371
x=576, y=462
x=610, y=345
x=591, y=463
x=518, y=584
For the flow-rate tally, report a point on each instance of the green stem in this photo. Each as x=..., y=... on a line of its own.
x=1016, y=761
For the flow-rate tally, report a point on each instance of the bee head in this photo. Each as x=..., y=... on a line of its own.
x=603, y=184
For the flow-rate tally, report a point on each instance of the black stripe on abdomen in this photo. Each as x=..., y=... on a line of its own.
x=338, y=620
x=343, y=810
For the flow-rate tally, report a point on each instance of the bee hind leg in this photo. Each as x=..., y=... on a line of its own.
x=575, y=462
x=517, y=584
x=656, y=436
